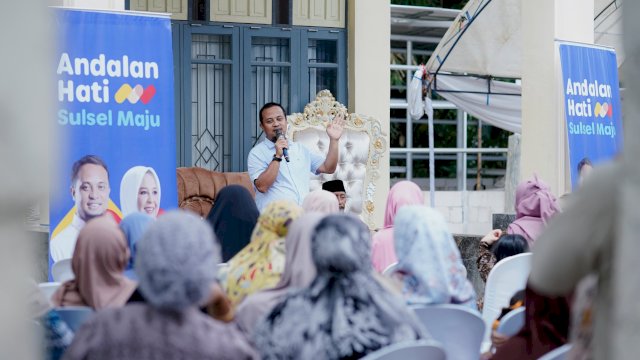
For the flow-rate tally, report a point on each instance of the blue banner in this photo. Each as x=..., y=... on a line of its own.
x=116, y=149
x=592, y=106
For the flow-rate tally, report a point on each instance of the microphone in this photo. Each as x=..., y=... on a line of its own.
x=285, y=151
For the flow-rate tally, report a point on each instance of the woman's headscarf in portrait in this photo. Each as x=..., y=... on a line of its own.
x=299, y=271
x=133, y=226
x=98, y=263
x=429, y=260
x=345, y=312
x=546, y=327
x=259, y=265
x=321, y=201
x=177, y=261
x=233, y=216
x=403, y=193
x=535, y=205
x=129, y=186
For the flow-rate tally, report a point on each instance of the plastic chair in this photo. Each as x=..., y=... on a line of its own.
x=74, y=316
x=505, y=279
x=48, y=288
x=61, y=271
x=458, y=328
x=409, y=350
x=512, y=322
x=557, y=354
x=390, y=269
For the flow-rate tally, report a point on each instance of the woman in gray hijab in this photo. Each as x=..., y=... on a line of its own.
x=175, y=265
x=345, y=313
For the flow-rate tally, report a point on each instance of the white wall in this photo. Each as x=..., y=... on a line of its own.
x=368, y=68
x=90, y=4
x=480, y=206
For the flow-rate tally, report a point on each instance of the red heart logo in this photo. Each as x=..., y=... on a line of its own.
x=610, y=110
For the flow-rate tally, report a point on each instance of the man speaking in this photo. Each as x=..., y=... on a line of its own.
x=280, y=168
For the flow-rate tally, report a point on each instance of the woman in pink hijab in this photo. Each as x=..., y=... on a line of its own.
x=535, y=205
x=383, y=252
x=98, y=262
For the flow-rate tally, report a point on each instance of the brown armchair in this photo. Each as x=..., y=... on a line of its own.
x=198, y=187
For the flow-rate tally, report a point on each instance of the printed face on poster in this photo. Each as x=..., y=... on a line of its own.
x=592, y=106
x=114, y=82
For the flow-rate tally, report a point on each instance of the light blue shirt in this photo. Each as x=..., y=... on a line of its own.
x=292, y=182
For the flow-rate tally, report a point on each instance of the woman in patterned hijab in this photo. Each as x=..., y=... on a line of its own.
x=345, y=312
x=429, y=264
x=259, y=265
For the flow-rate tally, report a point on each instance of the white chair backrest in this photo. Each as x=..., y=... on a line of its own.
x=409, y=350
x=557, y=354
x=61, y=271
x=362, y=150
x=505, y=279
x=48, y=288
x=390, y=269
x=74, y=316
x=459, y=329
x=512, y=322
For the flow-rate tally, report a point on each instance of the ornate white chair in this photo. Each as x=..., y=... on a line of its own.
x=362, y=146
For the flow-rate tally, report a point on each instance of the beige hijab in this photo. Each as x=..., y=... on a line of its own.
x=98, y=262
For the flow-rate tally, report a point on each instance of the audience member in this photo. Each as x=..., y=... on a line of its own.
x=321, y=201
x=585, y=167
x=496, y=246
x=345, y=313
x=176, y=265
x=429, y=265
x=382, y=251
x=535, y=205
x=337, y=188
x=98, y=262
x=133, y=226
x=586, y=239
x=258, y=266
x=546, y=327
x=299, y=271
x=233, y=216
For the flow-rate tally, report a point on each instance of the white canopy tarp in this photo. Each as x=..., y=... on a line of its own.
x=485, y=40
x=494, y=107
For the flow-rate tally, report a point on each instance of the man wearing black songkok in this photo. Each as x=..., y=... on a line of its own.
x=337, y=187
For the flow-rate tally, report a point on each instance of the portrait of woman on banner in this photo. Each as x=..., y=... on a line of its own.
x=140, y=191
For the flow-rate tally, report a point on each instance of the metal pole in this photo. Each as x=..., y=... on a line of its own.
x=460, y=131
x=479, y=162
x=432, y=166
x=465, y=194
x=409, y=128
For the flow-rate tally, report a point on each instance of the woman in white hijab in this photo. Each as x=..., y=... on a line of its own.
x=140, y=191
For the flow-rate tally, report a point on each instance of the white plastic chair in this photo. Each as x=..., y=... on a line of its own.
x=458, y=328
x=74, y=316
x=409, y=350
x=390, y=269
x=557, y=354
x=61, y=271
x=48, y=288
x=505, y=279
x=512, y=322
